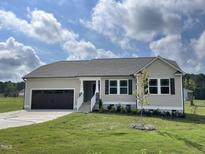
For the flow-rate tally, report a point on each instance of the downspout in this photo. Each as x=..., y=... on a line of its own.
x=24, y=93
x=183, y=93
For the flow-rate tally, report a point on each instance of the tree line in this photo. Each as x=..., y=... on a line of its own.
x=11, y=89
x=195, y=82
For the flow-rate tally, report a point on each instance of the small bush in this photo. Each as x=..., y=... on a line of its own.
x=163, y=114
x=109, y=107
x=112, y=110
x=167, y=114
x=122, y=110
x=156, y=112
x=102, y=110
x=100, y=104
x=118, y=108
x=181, y=115
x=134, y=111
x=149, y=113
x=178, y=114
x=128, y=108
x=143, y=111
x=174, y=113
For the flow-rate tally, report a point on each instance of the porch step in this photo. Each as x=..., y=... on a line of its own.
x=85, y=107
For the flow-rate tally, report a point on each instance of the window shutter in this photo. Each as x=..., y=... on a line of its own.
x=172, y=82
x=130, y=87
x=106, y=87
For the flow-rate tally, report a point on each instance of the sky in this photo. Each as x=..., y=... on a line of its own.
x=34, y=33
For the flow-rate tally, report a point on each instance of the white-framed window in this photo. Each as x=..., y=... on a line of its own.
x=113, y=86
x=159, y=86
x=153, y=86
x=123, y=87
x=119, y=86
x=164, y=86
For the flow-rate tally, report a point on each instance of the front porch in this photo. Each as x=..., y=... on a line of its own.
x=89, y=94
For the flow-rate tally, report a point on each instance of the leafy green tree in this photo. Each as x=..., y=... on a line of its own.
x=10, y=90
x=2, y=87
x=20, y=86
x=195, y=82
x=141, y=92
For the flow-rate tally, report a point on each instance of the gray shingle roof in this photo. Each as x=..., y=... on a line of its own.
x=94, y=67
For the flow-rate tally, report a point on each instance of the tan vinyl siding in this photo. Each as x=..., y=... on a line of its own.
x=159, y=69
x=117, y=98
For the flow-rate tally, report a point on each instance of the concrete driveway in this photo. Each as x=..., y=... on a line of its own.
x=24, y=117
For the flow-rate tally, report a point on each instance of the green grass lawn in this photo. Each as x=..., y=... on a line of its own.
x=199, y=107
x=108, y=133
x=11, y=104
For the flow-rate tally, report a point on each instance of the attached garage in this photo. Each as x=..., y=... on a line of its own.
x=52, y=99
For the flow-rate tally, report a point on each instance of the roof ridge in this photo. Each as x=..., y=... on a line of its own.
x=123, y=58
x=87, y=60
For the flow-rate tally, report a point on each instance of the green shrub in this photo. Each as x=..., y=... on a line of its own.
x=118, y=108
x=112, y=110
x=100, y=104
x=149, y=113
x=174, y=113
x=109, y=107
x=167, y=114
x=101, y=110
x=156, y=112
x=128, y=108
x=122, y=110
x=134, y=111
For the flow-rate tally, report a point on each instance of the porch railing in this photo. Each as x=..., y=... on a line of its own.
x=79, y=101
x=93, y=101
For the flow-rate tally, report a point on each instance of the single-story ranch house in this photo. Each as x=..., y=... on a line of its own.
x=78, y=85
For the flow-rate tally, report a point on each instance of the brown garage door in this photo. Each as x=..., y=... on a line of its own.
x=52, y=99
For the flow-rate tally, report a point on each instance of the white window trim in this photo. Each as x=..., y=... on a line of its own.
x=123, y=86
x=154, y=86
x=165, y=86
x=159, y=86
x=113, y=87
x=118, y=86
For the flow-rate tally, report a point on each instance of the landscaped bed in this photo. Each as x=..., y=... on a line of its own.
x=108, y=133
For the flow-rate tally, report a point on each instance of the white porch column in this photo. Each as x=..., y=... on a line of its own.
x=96, y=87
x=81, y=87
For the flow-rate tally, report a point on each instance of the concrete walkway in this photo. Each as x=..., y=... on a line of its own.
x=24, y=117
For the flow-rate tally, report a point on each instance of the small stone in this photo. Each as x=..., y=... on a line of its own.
x=6, y=147
x=141, y=126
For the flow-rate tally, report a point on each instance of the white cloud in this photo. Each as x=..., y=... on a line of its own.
x=83, y=50
x=142, y=20
x=45, y=27
x=199, y=46
x=42, y=26
x=16, y=60
x=170, y=45
x=189, y=56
